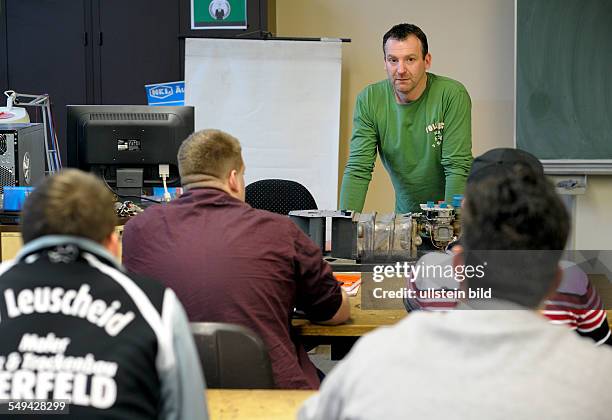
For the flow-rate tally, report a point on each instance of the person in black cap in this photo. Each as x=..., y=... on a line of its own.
x=480, y=364
x=575, y=304
x=503, y=161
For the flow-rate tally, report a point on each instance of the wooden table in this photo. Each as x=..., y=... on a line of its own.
x=342, y=337
x=11, y=241
x=361, y=322
x=255, y=404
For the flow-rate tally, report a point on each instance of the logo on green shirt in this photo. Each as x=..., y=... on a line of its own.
x=437, y=129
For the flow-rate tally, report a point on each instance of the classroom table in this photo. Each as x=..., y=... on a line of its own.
x=11, y=241
x=255, y=404
x=342, y=337
x=361, y=322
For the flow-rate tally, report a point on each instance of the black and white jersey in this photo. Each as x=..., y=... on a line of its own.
x=76, y=327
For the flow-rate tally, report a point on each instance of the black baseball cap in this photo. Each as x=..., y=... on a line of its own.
x=503, y=161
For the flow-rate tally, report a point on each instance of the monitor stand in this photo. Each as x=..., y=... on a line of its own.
x=130, y=182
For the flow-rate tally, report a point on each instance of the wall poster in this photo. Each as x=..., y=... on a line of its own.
x=218, y=14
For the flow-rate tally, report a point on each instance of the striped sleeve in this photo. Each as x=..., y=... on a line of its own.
x=583, y=313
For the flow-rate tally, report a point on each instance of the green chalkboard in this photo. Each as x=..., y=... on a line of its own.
x=564, y=79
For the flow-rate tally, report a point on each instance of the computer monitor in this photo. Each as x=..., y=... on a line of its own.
x=125, y=144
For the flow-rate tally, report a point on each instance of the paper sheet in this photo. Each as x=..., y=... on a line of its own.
x=281, y=99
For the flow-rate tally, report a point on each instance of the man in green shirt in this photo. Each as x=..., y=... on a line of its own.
x=418, y=121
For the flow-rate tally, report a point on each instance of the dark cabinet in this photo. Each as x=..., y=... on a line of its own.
x=88, y=51
x=138, y=44
x=101, y=51
x=47, y=52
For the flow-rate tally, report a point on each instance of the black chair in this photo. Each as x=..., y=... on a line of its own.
x=232, y=356
x=279, y=196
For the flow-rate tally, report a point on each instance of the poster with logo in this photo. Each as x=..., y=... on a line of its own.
x=218, y=14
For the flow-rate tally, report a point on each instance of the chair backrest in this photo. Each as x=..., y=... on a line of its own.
x=279, y=196
x=232, y=356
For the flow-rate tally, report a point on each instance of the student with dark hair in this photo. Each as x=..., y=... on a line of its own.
x=419, y=122
x=491, y=358
x=76, y=328
x=575, y=304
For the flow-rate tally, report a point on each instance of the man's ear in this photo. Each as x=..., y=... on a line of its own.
x=459, y=261
x=427, y=61
x=458, y=258
x=554, y=285
x=385, y=56
x=112, y=243
x=232, y=181
x=556, y=281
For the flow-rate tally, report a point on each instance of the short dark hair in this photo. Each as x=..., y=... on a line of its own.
x=209, y=152
x=514, y=220
x=402, y=31
x=71, y=202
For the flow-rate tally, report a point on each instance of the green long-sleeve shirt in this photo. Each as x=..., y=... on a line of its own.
x=426, y=145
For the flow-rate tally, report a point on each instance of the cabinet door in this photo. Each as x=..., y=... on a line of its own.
x=138, y=45
x=49, y=51
x=3, y=60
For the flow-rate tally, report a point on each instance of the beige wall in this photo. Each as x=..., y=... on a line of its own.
x=593, y=222
x=471, y=41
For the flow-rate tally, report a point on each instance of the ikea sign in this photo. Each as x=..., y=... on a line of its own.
x=169, y=93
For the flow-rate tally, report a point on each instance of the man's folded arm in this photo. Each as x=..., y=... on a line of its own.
x=342, y=314
x=319, y=294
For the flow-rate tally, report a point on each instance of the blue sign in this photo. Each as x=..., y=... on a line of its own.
x=158, y=192
x=14, y=197
x=170, y=93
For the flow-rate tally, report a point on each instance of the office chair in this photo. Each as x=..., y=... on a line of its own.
x=232, y=356
x=279, y=196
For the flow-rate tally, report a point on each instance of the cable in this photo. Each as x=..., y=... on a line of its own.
x=164, y=172
x=167, y=196
x=141, y=197
x=58, y=155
